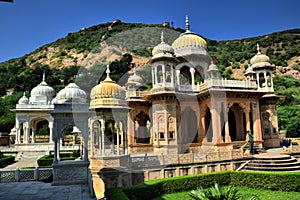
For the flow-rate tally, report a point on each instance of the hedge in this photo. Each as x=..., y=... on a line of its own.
x=47, y=160
x=7, y=160
x=288, y=181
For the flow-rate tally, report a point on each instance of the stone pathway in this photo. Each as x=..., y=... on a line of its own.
x=43, y=191
x=25, y=161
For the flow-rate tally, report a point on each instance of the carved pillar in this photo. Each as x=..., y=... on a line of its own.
x=178, y=76
x=102, y=121
x=226, y=111
x=33, y=135
x=215, y=118
x=156, y=77
x=51, y=132
x=192, y=70
x=26, y=132
x=202, y=129
x=164, y=74
x=118, y=138
x=266, y=80
x=172, y=75
x=256, y=122
x=153, y=76
x=166, y=124
x=257, y=79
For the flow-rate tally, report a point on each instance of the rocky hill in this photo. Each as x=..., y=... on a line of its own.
x=127, y=45
x=107, y=42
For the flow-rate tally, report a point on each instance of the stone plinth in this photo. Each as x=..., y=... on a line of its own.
x=70, y=173
x=272, y=143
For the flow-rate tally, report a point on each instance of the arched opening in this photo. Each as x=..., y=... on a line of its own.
x=42, y=131
x=110, y=133
x=189, y=126
x=22, y=132
x=208, y=126
x=185, y=76
x=168, y=70
x=143, y=130
x=96, y=133
x=159, y=74
x=67, y=136
x=261, y=80
x=232, y=125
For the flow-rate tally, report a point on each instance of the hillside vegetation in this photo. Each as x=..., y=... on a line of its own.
x=127, y=45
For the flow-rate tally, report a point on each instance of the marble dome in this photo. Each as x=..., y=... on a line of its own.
x=259, y=60
x=23, y=99
x=107, y=94
x=42, y=93
x=163, y=49
x=189, y=41
x=71, y=93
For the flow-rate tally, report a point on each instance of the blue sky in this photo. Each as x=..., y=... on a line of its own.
x=28, y=24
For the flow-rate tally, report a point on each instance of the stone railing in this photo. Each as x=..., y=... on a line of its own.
x=220, y=83
x=137, y=94
x=224, y=83
x=19, y=175
x=175, y=159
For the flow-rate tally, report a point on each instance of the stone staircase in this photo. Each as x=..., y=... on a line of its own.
x=272, y=162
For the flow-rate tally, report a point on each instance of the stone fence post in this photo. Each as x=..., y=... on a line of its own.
x=17, y=174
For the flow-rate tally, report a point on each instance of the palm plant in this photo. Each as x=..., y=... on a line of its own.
x=217, y=193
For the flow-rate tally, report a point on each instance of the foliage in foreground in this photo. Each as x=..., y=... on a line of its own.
x=258, y=180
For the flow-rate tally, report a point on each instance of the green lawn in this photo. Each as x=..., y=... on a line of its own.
x=245, y=193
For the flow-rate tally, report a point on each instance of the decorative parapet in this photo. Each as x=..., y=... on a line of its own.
x=18, y=175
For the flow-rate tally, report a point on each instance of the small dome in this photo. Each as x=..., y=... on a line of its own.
x=163, y=49
x=107, y=93
x=260, y=60
x=71, y=93
x=23, y=99
x=134, y=79
x=212, y=67
x=42, y=93
x=249, y=71
x=189, y=41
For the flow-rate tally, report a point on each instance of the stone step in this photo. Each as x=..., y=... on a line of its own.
x=290, y=164
x=290, y=160
x=272, y=162
x=273, y=169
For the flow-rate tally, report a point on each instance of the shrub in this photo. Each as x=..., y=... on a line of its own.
x=47, y=160
x=258, y=180
x=6, y=160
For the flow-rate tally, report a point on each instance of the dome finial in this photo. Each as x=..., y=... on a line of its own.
x=187, y=24
x=258, y=49
x=107, y=70
x=162, y=37
x=44, y=77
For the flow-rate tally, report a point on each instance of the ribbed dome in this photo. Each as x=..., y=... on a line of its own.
x=189, y=42
x=42, y=93
x=163, y=49
x=249, y=71
x=212, y=67
x=71, y=93
x=107, y=93
x=23, y=99
x=259, y=60
x=134, y=79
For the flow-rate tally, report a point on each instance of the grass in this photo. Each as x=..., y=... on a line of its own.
x=245, y=193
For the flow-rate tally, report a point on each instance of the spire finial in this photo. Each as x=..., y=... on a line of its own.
x=162, y=37
x=187, y=24
x=24, y=94
x=44, y=77
x=107, y=70
x=258, y=49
